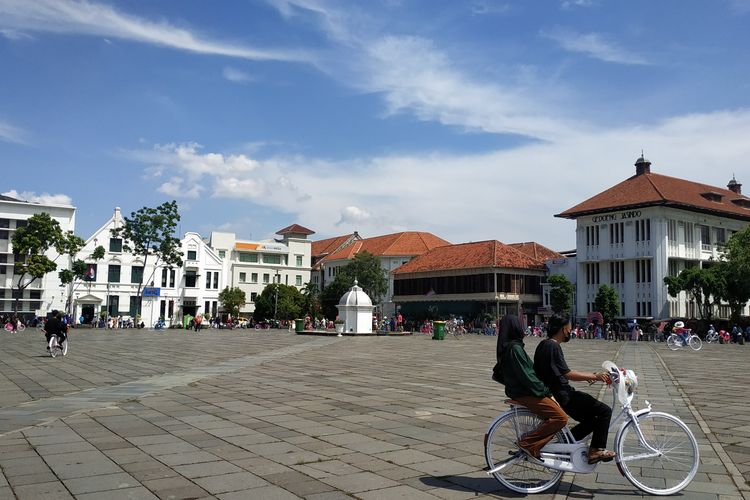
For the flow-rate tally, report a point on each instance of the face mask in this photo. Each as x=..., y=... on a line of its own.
x=567, y=336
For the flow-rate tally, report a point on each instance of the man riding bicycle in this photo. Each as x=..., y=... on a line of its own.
x=55, y=326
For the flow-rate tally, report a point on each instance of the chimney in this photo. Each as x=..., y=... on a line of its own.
x=642, y=165
x=734, y=186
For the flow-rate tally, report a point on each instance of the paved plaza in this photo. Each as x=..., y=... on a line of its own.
x=272, y=415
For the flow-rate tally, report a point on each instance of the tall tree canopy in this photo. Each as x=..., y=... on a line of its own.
x=607, y=302
x=560, y=293
x=232, y=299
x=733, y=272
x=30, y=245
x=365, y=268
x=279, y=301
x=702, y=284
x=150, y=231
x=77, y=273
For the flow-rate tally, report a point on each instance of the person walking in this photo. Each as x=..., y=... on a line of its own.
x=593, y=415
x=515, y=370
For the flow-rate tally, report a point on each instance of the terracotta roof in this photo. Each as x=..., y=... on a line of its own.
x=246, y=246
x=536, y=251
x=324, y=247
x=650, y=189
x=295, y=228
x=478, y=255
x=408, y=243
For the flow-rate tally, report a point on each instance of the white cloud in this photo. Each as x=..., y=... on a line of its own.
x=43, y=198
x=569, y=4
x=510, y=195
x=90, y=18
x=236, y=75
x=593, y=45
x=10, y=133
x=14, y=35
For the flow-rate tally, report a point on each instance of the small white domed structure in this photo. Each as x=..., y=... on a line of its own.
x=355, y=310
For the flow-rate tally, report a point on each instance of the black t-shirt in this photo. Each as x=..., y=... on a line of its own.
x=550, y=366
x=54, y=326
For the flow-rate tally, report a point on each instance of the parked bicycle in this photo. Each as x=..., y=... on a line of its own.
x=656, y=451
x=714, y=336
x=676, y=341
x=19, y=327
x=160, y=324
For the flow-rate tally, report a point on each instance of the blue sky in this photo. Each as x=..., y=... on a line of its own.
x=473, y=119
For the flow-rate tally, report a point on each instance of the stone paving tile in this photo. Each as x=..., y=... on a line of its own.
x=230, y=482
x=394, y=415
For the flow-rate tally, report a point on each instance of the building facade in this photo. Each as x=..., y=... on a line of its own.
x=43, y=295
x=111, y=284
x=485, y=279
x=254, y=265
x=645, y=228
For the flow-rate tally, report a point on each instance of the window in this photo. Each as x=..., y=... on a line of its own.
x=216, y=281
x=592, y=235
x=617, y=272
x=271, y=258
x=3, y=234
x=214, y=308
x=689, y=234
x=5, y=223
x=253, y=296
x=643, y=271
x=114, y=305
x=222, y=254
x=248, y=257
x=298, y=259
x=171, y=308
x=208, y=280
x=35, y=294
x=616, y=233
x=592, y=273
x=254, y=278
x=192, y=255
x=298, y=280
x=705, y=236
x=242, y=277
x=672, y=231
x=167, y=273
x=113, y=273
x=90, y=273
x=136, y=274
x=207, y=307
x=21, y=223
x=643, y=230
x=266, y=278
x=190, y=279
x=162, y=308
x=115, y=244
x=721, y=236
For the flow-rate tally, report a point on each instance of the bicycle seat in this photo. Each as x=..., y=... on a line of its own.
x=513, y=402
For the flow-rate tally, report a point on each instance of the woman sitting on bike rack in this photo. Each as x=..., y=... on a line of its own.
x=592, y=414
x=515, y=370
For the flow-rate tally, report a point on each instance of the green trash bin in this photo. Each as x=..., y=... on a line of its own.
x=438, y=332
x=299, y=325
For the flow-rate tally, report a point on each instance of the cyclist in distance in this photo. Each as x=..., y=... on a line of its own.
x=515, y=370
x=592, y=414
x=55, y=326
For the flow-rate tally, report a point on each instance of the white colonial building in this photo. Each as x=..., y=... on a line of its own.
x=42, y=295
x=175, y=294
x=254, y=265
x=647, y=227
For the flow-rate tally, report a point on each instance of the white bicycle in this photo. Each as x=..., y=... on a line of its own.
x=56, y=347
x=674, y=341
x=656, y=451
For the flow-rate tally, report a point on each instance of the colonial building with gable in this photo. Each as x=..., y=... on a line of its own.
x=649, y=226
x=393, y=251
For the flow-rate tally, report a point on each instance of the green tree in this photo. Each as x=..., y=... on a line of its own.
x=30, y=245
x=560, y=293
x=365, y=268
x=76, y=275
x=150, y=231
x=733, y=271
x=607, y=302
x=311, y=293
x=232, y=299
x=704, y=285
x=279, y=301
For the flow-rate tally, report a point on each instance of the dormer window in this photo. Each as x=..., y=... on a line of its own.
x=742, y=202
x=713, y=196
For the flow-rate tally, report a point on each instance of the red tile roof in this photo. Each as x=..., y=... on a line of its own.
x=324, y=247
x=478, y=255
x=408, y=243
x=536, y=251
x=650, y=189
x=296, y=229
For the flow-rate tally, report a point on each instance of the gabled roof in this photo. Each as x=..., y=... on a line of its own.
x=295, y=229
x=407, y=244
x=476, y=255
x=650, y=189
x=324, y=247
x=536, y=251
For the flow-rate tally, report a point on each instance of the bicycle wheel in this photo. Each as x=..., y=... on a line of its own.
x=695, y=343
x=671, y=467
x=64, y=348
x=673, y=342
x=21, y=327
x=52, y=345
x=500, y=448
x=712, y=337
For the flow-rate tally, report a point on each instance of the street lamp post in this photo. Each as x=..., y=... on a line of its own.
x=276, y=297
